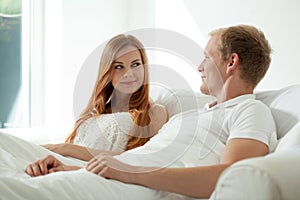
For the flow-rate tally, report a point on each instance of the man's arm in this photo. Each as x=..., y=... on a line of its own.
x=238, y=149
x=196, y=182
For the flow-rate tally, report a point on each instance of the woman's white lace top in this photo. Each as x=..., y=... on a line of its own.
x=105, y=132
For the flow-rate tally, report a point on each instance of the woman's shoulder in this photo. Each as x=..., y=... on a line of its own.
x=158, y=106
x=159, y=111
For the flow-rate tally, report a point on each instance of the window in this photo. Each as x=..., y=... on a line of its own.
x=11, y=63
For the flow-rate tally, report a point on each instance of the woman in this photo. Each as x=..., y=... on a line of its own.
x=119, y=115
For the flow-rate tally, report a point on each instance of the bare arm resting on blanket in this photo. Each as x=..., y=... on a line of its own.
x=196, y=181
x=76, y=151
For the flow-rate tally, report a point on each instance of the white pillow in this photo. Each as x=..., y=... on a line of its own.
x=290, y=140
x=273, y=177
x=177, y=101
x=284, y=106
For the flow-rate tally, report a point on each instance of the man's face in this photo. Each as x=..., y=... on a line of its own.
x=212, y=68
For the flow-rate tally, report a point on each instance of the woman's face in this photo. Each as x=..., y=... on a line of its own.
x=128, y=71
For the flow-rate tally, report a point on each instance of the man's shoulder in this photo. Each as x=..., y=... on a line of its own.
x=252, y=105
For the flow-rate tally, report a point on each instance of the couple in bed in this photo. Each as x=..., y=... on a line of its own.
x=187, y=155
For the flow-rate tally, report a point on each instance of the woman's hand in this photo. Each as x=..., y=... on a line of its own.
x=61, y=149
x=47, y=165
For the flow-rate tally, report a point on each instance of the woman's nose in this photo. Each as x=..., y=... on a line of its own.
x=128, y=73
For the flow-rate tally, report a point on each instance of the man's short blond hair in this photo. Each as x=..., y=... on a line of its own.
x=252, y=47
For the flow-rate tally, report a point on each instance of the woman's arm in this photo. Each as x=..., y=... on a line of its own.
x=76, y=151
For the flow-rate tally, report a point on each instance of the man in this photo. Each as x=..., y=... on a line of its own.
x=236, y=59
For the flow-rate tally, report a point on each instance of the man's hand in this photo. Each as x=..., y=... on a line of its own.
x=47, y=165
x=107, y=166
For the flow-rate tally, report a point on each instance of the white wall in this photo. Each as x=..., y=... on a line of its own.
x=85, y=25
x=88, y=24
x=278, y=19
x=82, y=26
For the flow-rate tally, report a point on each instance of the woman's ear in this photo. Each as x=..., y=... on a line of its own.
x=232, y=63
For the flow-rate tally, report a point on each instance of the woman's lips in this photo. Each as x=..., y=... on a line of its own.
x=128, y=83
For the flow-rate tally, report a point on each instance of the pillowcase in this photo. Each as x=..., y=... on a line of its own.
x=177, y=101
x=283, y=104
x=290, y=140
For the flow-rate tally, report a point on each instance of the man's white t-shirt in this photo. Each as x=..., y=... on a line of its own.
x=198, y=137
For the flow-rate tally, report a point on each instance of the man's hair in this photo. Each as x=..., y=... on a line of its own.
x=252, y=47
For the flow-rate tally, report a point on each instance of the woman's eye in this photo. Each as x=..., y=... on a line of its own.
x=136, y=64
x=118, y=67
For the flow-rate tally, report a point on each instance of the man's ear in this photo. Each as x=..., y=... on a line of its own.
x=232, y=63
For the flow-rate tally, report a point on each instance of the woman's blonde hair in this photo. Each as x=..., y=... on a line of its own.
x=99, y=103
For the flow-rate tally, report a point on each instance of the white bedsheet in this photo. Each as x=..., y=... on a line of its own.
x=16, y=154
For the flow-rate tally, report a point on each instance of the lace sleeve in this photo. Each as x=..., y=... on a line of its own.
x=106, y=132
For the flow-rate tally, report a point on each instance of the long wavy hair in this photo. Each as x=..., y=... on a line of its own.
x=99, y=102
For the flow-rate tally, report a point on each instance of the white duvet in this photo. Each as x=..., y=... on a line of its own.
x=16, y=154
x=170, y=148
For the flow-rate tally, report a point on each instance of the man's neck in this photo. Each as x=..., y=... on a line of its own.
x=232, y=90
